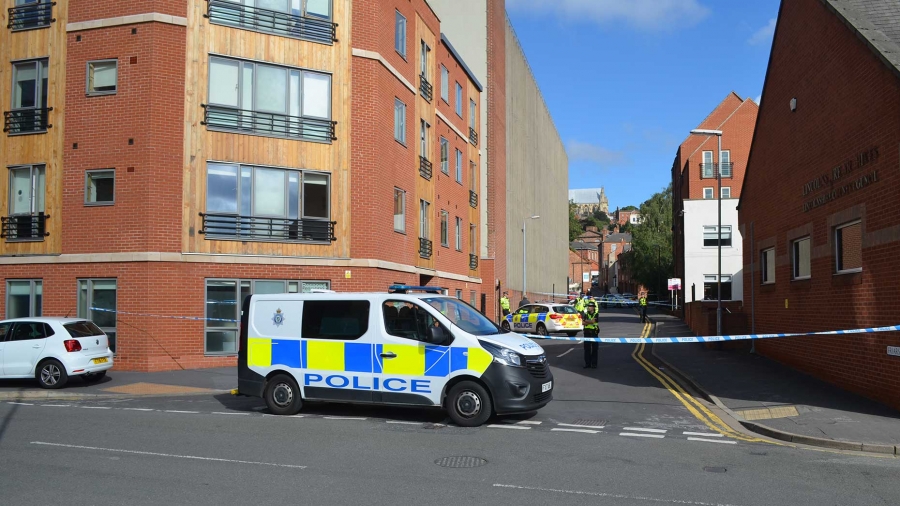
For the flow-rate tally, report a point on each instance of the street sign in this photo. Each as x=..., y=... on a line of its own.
x=674, y=283
x=894, y=351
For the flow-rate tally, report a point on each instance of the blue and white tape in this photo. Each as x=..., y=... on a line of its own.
x=189, y=318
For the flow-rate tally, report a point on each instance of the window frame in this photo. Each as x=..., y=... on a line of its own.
x=39, y=92
x=445, y=84
x=726, y=153
x=400, y=121
x=719, y=237
x=723, y=277
x=765, y=264
x=838, y=246
x=459, y=100
x=445, y=229
x=33, y=310
x=795, y=258
x=459, y=162
x=473, y=239
x=87, y=178
x=722, y=192
x=87, y=78
x=423, y=138
x=709, y=195
x=459, y=239
x=445, y=156
x=400, y=22
x=88, y=313
x=473, y=113
x=424, y=221
x=33, y=209
x=398, y=192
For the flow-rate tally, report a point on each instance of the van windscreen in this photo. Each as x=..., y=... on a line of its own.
x=345, y=320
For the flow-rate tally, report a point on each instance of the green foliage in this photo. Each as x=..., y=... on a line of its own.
x=601, y=217
x=629, y=208
x=652, y=243
x=575, y=228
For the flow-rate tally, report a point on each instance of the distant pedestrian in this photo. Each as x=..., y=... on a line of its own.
x=591, y=329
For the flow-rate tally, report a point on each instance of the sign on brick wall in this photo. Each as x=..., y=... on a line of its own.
x=894, y=351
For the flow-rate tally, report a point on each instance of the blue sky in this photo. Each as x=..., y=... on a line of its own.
x=626, y=80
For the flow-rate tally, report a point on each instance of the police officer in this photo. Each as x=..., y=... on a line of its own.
x=504, y=304
x=643, y=303
x=591, y=329
x=579, y=304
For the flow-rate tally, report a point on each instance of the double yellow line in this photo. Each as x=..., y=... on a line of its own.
x=693, y=405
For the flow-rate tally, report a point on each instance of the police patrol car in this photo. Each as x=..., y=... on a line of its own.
x=544, y=319
x=423, y=349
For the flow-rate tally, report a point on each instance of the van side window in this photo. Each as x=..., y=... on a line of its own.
x=407, y=320
x=344, y=320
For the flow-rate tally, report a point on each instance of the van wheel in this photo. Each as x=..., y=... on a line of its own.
x=469, y=404
x=505, y=326
x=51, y=374
x=283, y=395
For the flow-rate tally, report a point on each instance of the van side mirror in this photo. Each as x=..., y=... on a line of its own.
x=436, y=335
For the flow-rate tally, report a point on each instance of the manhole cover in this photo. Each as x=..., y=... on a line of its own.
x=589, y=422
x=460, y=462
x=709, y=469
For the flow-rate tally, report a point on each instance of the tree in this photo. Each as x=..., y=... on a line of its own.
x=629, y=208
x=575, y=228
x=652, y=242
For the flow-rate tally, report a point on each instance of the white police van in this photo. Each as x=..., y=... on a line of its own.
x=423, y=349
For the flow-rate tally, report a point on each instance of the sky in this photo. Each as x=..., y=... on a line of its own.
x=626, y=80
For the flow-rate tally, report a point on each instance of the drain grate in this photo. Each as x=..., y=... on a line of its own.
x=460, y=462
x=589, y=422
x=709, y=469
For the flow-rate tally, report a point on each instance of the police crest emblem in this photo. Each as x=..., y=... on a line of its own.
x=278, y=318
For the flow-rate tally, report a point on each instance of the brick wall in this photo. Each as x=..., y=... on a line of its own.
x=836, y=120
x=88, y=10
x=496, y=138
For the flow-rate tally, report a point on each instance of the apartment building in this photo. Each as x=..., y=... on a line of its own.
x=167, y=158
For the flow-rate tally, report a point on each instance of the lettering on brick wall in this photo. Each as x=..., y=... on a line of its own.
x=843, y=179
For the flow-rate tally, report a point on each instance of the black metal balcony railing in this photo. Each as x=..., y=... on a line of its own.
x=269, y=21
x=424, y=168
x=30, y=16
x=229, y=226
x=24, y=227
x=473, y=199
x=473, y=136
x=473, y=261
x=425, y=248
x=425, y=87
x=25, y=121
x=708, y=170
x=265, y=123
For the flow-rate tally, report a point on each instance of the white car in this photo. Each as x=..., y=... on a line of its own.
x=51, y=350
x=544, y=319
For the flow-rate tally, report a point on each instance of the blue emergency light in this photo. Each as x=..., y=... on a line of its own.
x=410, y=288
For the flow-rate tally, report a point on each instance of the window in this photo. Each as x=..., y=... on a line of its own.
x=473, y=177
x=473, y=239
x=445, y=156
x=709, y=193
x=725, y=163
x=30, y=14
x=269, y=100
x=99, y=187
x=400, y=34
x=399, y=121
x=399, y=210
x=710, y=287
x=445, y=84
x=24, y=298
x=800, y=250
x=423, y=140
x=97, y=303
x=408, y=320
x=459, y=163
x=726, y=192
x=767, y=265
x=445, y=232
x=459, y=294
x=848, y=247
x=458, y=233
x=29, y=97
x=472, y=298
x=343, y=320
x=459, y=100
x=707, y=167
x=26, y=204
x=424, y=228
x=711, y=236
x=300, y=19
x=424, y=59
x=102, y=77
x=472, y=114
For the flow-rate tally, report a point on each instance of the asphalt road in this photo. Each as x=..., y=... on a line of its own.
x=222, y=449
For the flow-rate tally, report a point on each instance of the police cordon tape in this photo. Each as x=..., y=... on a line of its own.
x=190, y=318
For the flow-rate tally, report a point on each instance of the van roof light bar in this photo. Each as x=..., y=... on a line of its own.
x=410, y=288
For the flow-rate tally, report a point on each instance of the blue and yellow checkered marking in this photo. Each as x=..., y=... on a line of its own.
x=527, y=318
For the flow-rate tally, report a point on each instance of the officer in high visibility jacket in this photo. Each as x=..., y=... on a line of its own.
x=504, y=304
x=643, y=302
x=591, y=329
x=579, y=304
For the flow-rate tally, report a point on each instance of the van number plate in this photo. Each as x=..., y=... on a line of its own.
x=546, y=386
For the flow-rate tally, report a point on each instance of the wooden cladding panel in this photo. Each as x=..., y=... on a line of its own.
x=474, y=156
x=425, y=110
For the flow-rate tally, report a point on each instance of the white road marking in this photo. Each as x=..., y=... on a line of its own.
x=231, y=413
x=638, y=429
x=21, y=403
x=722, y=441
x=404, y=423
x=528, y=422
x=657, y=436
x=344, y=417
x=565, y=353
x=702, y=434
x=155, y=454
x=138, y=409
x=613, y=496
x=56, y=405
x=94, y=407
x=502, y=426
x=183, y=412
x=284, y=416
x=584, y=426
x=584, y=431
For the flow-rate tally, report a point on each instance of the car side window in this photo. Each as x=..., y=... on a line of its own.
x=28, y=331
x=540, y=309
x=524, y=310
x=4, y=329
x=410, y=321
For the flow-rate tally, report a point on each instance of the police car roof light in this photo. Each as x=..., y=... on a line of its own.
x=410, y=288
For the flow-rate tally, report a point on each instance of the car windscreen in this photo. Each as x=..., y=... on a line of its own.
x=564, y=309
x=82, y=329
x=463, y=316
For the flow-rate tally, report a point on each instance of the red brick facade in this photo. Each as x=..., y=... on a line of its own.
x=830, y=162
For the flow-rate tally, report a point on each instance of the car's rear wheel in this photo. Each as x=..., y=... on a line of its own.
x=469, y=404
x=51, y=374
x=541, y=329
x=93, y=377
x=283, y=395
x=505, y=326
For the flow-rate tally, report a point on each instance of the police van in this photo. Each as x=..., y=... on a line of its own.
x=396, y=348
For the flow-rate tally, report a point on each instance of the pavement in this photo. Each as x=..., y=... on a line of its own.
x=777, y=401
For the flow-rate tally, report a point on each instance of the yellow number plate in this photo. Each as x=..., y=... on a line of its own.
x=100, y=360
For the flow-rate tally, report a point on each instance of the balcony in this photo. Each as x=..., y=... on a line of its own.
x=473, y=261
x=426, y=88
x=30, y=16
x=251, y=228
x=424, y=168
x=262, y=20
x=473, y=136
x=268, y=124
x=708, y=170
x=425, y=248
x=27, y=121
x=473, y=199
x=24, y=227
